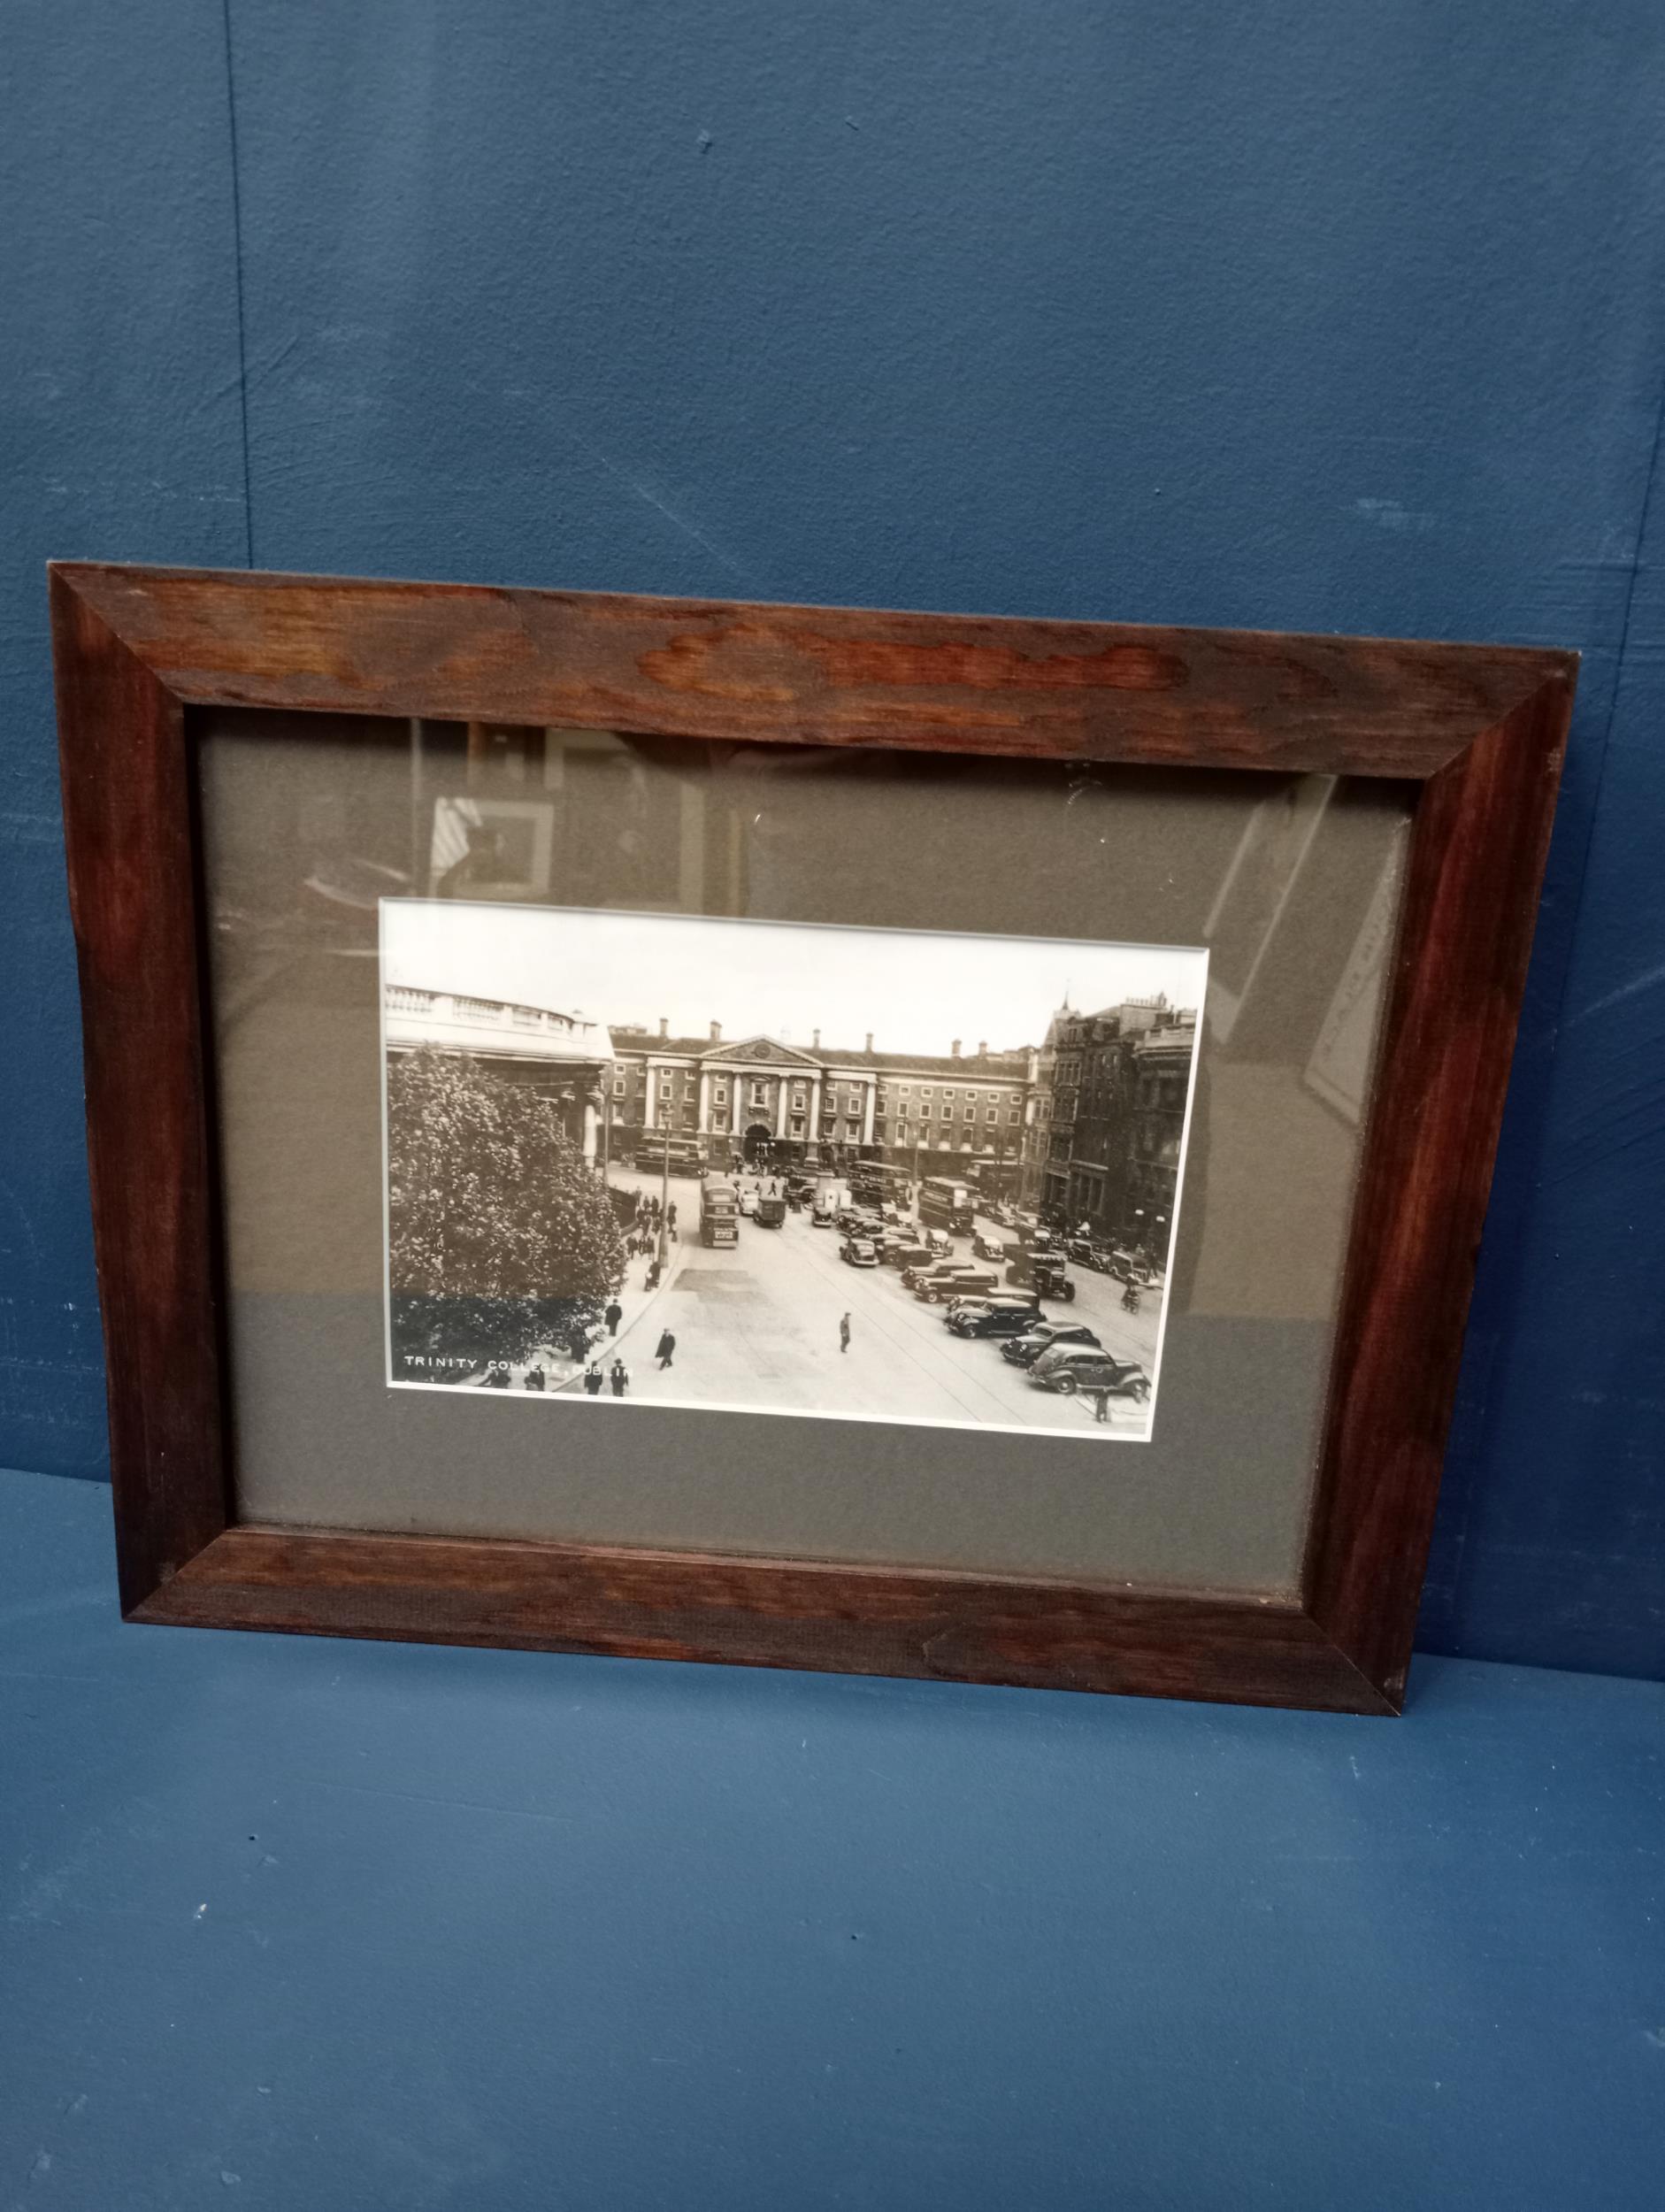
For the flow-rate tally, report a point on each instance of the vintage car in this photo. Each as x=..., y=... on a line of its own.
x=1049, y=1336
x=748, y=1203
x=907, y=1252
x=992, y=1320
x=1074, y=1367
x=981, y=1302
x=1088, y=1251
x=858, y=1252
x=989, y=1245
x=1043, y=1272
x=937, y=1286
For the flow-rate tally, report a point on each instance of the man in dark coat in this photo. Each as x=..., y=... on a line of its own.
x=666, y=1348
x=532, y=1379
x=844, y=1332
x=592, y=1380
x=619, y=1375
x=615, y=1315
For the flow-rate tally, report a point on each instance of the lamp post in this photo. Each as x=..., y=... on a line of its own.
x=664, y=1199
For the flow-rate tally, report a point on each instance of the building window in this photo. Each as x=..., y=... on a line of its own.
x=618, y=1087
x=924, y=1113
x=721, y=1093
x=969, y=1113
x=993, y=1114
x=1014, y=1116
x=797, y=1124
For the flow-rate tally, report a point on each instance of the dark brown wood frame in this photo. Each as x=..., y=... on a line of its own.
x=1480, y=729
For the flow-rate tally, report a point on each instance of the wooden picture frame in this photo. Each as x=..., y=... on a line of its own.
x=1479, y=733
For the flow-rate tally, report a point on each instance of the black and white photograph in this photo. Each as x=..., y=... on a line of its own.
x=863, y=1174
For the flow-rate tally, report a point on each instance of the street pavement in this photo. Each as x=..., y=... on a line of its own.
x=756, y=1326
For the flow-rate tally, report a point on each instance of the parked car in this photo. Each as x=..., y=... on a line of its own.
x=986, y=1301
x=989, y=1245
x=1047, y=1336
x=1074, y=1367
x=943, y=1283
x=824, y=1217
x=937, y=1240
x=1130, y=1269
x=1088, y=1251
x=906, y=1253
x=858, y=1252
x=991, y=1320
x=1043, y=1272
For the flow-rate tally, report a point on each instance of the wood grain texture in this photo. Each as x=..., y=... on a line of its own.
x=762, y=1612
x=1478, y=845
x=127, y=821
x=814, y=675
x=1481, y=729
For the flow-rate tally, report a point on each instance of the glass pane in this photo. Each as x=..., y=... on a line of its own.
x=312, y=825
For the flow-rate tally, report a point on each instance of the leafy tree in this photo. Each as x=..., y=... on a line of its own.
x=501, y=1237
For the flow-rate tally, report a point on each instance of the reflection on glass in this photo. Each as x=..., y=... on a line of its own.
x=310, y=823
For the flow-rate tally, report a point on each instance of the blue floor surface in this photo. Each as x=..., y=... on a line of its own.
x=307, y=1924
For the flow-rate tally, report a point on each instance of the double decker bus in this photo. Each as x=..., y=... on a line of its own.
x=944, y=1202
x=719, y=1214
x=877, y=1182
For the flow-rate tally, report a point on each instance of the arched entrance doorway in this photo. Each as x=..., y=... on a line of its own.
x=757, y=1145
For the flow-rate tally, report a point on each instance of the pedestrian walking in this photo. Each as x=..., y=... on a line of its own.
x=619, y=1375
x=532, y=1379
x=594, y=1379
x=653, y=1276
x=665, y=1350
x=670, y=1214
x=844, y=1332
x=1101, y=1405
x=615, y=1315
x=498, y=1378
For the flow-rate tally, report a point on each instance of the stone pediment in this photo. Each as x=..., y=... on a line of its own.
x=757, y=1050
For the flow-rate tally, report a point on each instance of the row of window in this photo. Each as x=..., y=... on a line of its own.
x=900, y=1096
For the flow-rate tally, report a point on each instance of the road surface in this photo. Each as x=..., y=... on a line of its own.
x=757, y=1324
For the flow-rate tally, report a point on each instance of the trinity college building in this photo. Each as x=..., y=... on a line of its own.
x=762, y=1100
x=1087, y=1123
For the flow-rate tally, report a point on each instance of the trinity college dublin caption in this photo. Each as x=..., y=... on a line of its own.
x=584, y=1205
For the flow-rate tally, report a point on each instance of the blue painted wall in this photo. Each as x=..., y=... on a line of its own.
x=1287, y=316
